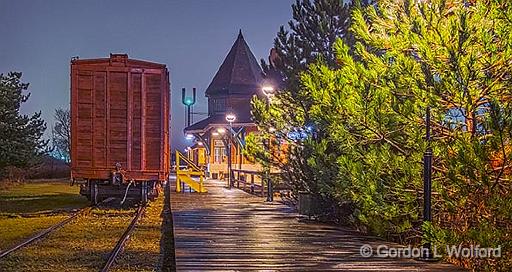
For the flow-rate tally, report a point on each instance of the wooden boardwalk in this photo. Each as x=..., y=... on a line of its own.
x=231, y=230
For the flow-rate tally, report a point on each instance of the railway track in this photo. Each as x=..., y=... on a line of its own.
x=113, y=255
x=44, y=233
x=124, y=238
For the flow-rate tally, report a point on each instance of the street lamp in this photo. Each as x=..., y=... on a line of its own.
x=230, y=117
x=427, y=162
x=269, y=92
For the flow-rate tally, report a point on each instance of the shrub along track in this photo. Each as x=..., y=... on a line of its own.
x=84, y=244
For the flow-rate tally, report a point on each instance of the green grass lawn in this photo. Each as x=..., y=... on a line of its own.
x=142, y=252
x=13, y=230
x=82, y=245
x=33, y=197
x=22, y=208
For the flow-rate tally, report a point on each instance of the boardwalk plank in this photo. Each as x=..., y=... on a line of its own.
x=230, y=230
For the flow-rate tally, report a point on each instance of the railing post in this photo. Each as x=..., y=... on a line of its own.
x=262, y=185
x=178, y=181
x=201, y=183
x=252, y=183
x=270, y=190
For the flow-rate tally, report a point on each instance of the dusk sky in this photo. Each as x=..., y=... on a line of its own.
x=191, y=37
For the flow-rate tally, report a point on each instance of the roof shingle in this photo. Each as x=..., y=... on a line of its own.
x=240, y=73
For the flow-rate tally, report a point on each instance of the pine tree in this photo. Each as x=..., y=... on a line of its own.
x=455, y=58
x=312, y=33
x=20, y=135
x=368, y=118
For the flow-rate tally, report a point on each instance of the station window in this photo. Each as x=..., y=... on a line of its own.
x=219, y=151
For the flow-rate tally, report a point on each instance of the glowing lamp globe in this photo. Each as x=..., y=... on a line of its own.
x=230, y=117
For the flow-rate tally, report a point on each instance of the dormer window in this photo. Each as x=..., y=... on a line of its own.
x=219, y=105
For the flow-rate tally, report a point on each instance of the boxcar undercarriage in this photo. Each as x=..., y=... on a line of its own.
x=97, y=191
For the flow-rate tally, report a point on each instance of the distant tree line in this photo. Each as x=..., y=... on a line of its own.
x=61, y=134
x=355, y=84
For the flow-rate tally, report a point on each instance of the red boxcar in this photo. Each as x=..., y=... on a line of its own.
x=119, y=126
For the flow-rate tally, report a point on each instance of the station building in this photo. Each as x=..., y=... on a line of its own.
x=237, y=80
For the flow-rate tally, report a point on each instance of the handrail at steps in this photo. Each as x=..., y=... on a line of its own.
x=185, y=175
x=191, y=164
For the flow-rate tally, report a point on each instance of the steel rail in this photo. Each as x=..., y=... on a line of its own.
x=43, y=233
x=124, y=238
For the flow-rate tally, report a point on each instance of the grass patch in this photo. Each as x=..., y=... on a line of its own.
x=15, y=230
x=83, y=245
x=142, y=251
x=33, y=197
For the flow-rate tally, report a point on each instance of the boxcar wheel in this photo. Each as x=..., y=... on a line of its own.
x=93, y=191
x=144, y=191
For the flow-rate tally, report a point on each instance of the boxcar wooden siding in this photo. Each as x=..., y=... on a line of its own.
x=120, y=114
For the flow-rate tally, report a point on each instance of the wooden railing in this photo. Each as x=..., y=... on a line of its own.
x=253, y=181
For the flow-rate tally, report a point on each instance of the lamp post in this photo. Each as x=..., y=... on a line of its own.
x=230, y=117
x=427, y=165
x=427, y=181
x=269, y=92
x=219, y=132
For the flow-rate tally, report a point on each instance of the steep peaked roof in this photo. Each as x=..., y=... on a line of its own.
x=240, y=73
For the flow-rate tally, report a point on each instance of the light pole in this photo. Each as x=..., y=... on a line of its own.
x=230, y=117
x=220, y=132
x=269, y=92
x=427, y=180
x=427, y=165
